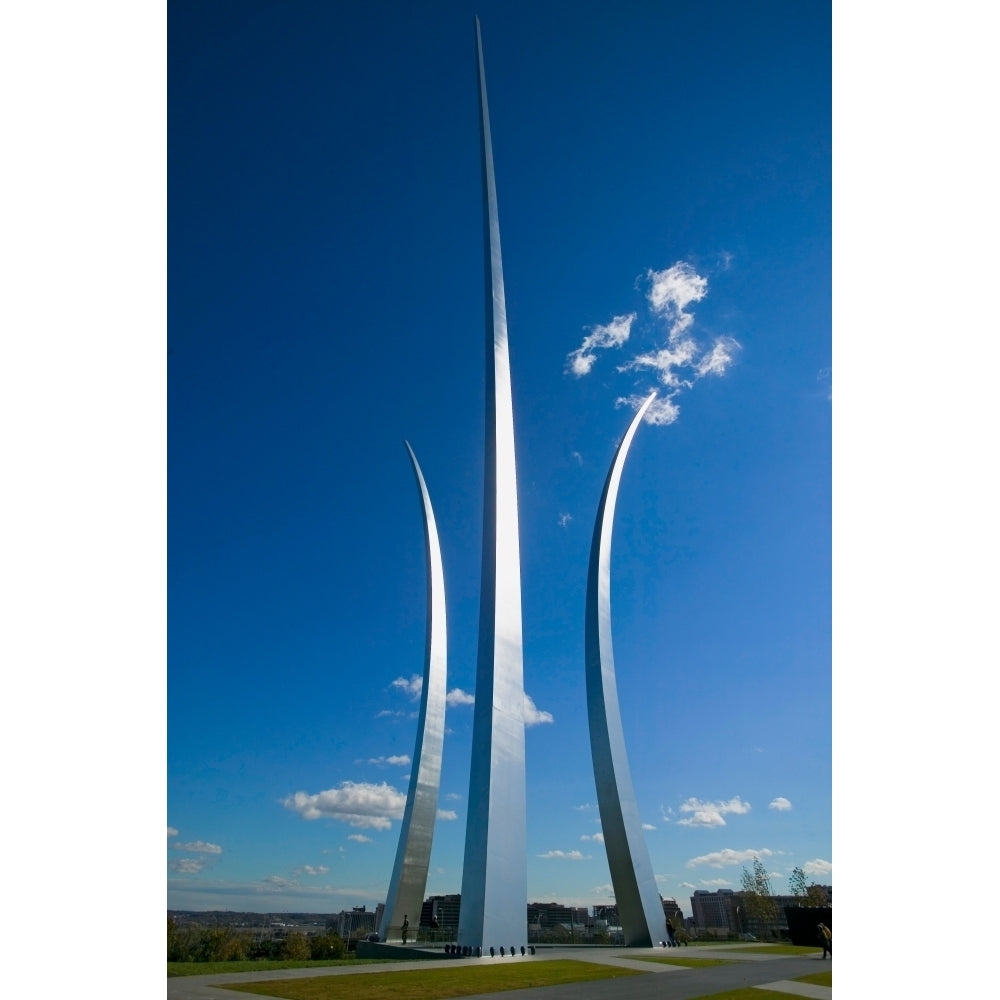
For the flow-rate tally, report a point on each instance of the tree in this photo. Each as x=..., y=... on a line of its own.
x=762, y=910
x=329, y=945
x=296, y=946
x=810, y=895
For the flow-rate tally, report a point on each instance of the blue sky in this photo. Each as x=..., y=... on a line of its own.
x=664, y=188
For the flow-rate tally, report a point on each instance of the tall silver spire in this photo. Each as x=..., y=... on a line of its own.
x=494, y=877
x=639, y=906
x=413, y=855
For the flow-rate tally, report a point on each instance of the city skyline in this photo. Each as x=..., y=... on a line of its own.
x=324, y=224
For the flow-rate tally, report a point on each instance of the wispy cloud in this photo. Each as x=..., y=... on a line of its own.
x=188, y=866
x=727, y=856
x=456, y=696
x=311, y=870
x=565, y=519
x=359, y=804
x=711, y=813
x=397, y=760
x=780, y=803
x=171, y=832
x=447, y=814
x=359, y=838
x=677, y=359
x=648, y=826
x=197, y=847
x=599, y=837
x=565, y=855
x=276, y=883
x=613, y=334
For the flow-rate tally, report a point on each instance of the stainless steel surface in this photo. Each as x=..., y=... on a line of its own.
x=413, y=855
x=638, y=899
x=494, y=877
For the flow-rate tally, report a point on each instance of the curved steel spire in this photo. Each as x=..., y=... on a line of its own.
x=413, y=855
x=639, y=906
x=494, y=876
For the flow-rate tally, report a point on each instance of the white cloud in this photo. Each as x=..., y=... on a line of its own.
x=648, y=826
x=613, y=334
x=780, y=803
x=719, y=358
x=188, y=866
x=456, y=696
x=716, y=883
x=711, y=813
x=411, y=687
x=727, y=856
x=447, y=814
x=532, y=715
x=171, y=832
x=198, y=847
x=672, y=290
x=360, y=804
x=817, y=867
x=566, y=855
x=564, y=519
x=677, y=359
x=399, y=760
x=599, y=837
x=359, y=838
x=453, y=797
x=312, y=870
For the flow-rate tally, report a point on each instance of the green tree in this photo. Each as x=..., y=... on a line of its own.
x=797, y=886
x=296, y=946
x=761, y=907
x=328, y=945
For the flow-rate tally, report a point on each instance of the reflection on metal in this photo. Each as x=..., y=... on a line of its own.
x=413, y=855
x=639, y=907
x=494, y=877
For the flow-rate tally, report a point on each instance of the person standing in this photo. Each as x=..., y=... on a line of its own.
x=406, y=927
x=826, y=940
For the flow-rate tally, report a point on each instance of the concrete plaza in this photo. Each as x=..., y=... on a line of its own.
x=747, y=966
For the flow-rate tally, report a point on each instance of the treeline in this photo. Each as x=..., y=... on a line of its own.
x=196, y=943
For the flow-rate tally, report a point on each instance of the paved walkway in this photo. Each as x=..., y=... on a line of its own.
x=762, y=969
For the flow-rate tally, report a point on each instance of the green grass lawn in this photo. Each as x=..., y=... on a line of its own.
x=688, y=963
x=824, y=978
x=265, y=965
x=437, y=984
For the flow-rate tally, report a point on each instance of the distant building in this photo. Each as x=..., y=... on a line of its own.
x=672, y=911
x=356, y=922
x=440, y=913
x=725, y=911
x=551, y=914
